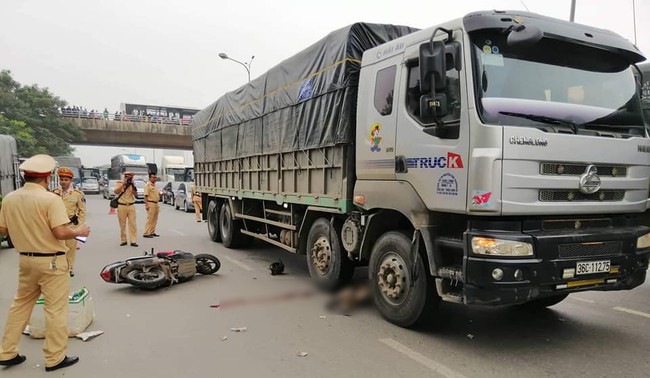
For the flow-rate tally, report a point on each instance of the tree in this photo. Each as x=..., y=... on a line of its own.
x=31, y=115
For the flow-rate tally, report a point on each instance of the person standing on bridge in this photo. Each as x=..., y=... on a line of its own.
x=196, y=200
x=75, y=204
x=126, y=191
x=151, y=199
x=37, y=221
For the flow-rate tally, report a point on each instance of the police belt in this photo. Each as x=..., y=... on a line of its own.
x=39, y=254
x=153, y=201
x=125, y=204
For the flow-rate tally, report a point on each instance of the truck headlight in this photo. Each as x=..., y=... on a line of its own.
x=500, y=247
x=643, y=242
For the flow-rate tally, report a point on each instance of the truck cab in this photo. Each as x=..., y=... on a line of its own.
x=512, y=149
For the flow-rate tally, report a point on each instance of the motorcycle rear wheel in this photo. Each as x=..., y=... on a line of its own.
x=207, y=264
x=150, y=279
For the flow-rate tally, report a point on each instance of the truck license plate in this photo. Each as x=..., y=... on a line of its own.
x=591, y=267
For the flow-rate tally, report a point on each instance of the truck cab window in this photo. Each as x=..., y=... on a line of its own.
x=453, y=95
x=384, y=89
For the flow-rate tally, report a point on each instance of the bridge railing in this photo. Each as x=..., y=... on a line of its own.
x=74, y=113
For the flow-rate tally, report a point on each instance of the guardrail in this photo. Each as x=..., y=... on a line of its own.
x=125, y=117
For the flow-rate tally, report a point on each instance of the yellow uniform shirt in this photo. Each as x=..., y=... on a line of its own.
x=151, y=192
x=194, y=192
x=129, y=196
x=74, y=201
x=30, y=213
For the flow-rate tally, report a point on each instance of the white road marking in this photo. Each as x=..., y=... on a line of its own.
x=582, y=299
x=178, y=232
x=431, y=364
x=238, y=263
x=634, y=312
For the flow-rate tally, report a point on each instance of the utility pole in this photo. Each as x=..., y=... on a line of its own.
x=634, y=18
x=573, y=11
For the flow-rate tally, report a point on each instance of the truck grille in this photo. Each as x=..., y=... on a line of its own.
x=574, y=195
x=560, y=169
x=575, y=224
x=611, y=248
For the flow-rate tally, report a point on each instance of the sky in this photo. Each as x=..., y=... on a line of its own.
x=100, y=53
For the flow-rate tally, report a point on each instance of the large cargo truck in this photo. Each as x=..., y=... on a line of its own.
x=173, y=168
x=9, y=172
x=497, y=159
x=134, y=163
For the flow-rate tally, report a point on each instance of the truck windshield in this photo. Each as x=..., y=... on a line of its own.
x=556, y=86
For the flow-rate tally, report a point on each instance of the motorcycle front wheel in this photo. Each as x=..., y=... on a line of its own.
x=150, y=279
x=207, y=264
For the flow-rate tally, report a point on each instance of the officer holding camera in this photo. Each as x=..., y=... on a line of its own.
x=75, y=204
x=126, y=192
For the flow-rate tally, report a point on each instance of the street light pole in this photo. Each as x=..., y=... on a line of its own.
x=246, y=65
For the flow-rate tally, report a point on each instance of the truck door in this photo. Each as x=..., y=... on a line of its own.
x=377, y=119
x=431, y=156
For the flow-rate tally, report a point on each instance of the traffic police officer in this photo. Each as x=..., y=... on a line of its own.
x=37, y=221
x=75, y=205
x=126, y=210
x=151, y=199
x=196, y=200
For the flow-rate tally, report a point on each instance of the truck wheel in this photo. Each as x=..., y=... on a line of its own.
x=176, y=205
x=328, y=263
x=230, y=229
x=401, y=298
x=213, y=221
x=541, y=303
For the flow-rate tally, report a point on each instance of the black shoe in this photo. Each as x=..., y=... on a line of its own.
x=147, y=236
x=14, y=361
x=155, y=235
x=71, y=274
x=134, y=244
x=122, y=244
x=199, y=221
x=67, y=361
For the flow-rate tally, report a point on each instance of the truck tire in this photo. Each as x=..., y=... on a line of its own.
x=213, y=221
x=230, y=229
x=328, y=263
x=399, y=298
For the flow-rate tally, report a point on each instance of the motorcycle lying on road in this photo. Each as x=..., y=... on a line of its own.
x=164, y=268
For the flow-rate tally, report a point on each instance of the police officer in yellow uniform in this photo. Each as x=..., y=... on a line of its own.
x=151, y=199
x=75, y=204
x=196, y=200
x=126, y=210
x=37, y=221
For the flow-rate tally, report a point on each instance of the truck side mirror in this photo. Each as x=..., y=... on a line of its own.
x=432, y=66
x=524, y=35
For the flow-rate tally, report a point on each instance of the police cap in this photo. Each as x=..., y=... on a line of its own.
x=128, y=174
x=65, y=172
x=38, y=166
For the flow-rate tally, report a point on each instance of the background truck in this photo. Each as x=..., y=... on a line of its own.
x=497, y=159
x=137, y=164
x=9, y=172
x=173, y=168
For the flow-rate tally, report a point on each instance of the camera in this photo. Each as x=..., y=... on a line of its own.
x=129, y=180
x=74, y=220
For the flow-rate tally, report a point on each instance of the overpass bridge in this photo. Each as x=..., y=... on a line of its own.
x=119, y=132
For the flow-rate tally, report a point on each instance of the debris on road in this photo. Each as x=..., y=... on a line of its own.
x=85, y=336
x=224, y=338
x=289, y=296
x=470, y=336
x=239, y=329
x=301, y=354
x=323, y=317
x=276, y=268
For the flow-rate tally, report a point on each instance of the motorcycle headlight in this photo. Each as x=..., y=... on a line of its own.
x=643, y=242
x=500, y=247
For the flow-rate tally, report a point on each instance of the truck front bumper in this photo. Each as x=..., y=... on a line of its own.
x=553, y=269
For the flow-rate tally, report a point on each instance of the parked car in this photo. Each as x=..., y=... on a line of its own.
x=139, y=185
x=169, y=192
x=109, y=189
x=183, y=199
x=90, y=185
x=160, y=185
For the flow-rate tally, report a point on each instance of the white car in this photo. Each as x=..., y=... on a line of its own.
x=109, y=189
x=90, y=185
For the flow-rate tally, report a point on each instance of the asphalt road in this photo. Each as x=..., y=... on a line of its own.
x=173, y=332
